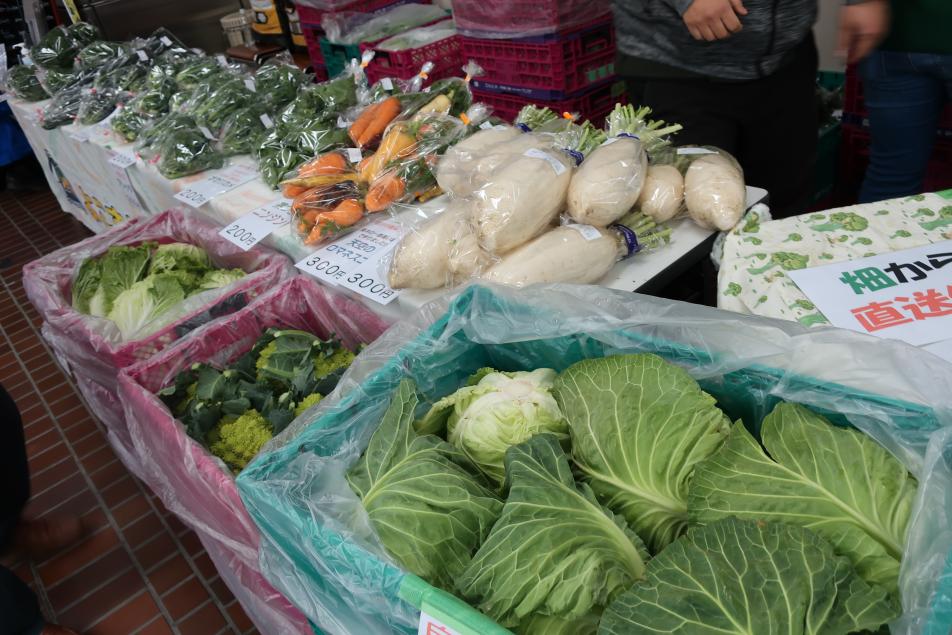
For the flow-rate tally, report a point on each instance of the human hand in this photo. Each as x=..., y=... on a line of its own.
x=863, y=27
x=713, y=19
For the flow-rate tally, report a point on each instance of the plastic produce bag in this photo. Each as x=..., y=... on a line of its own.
x=128, y=123
x=93, y=347
x=318, y=546
x=56, y=49
x=243, y=130
x=102, y=53
x=346, y=27
x=83, y=33
x=481, y=19
x=22, y=82
x=714, y=190
x=62, y=109
x=55, y=81
x=190, y=481
x=95, y=105
x=420, y=36
x=195, y=71
x=278, y=82
x=187, y=151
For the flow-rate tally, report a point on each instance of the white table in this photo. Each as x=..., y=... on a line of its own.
x=99, y=194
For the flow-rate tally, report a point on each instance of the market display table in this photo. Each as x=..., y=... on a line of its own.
x=757, y=254
x=98, y=179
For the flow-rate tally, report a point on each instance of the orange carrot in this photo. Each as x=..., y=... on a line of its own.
x=290, y=190
x=324, y=164
x=360, y=123
x=386, y=111
x=385, y=190
x=298, y=204
x=347, y=212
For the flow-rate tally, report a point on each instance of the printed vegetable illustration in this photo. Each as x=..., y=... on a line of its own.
x=733, y=289
x=944, y=220
x=789, y=261
x=843, y=221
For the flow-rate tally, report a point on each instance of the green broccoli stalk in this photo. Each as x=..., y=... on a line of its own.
x=236, y=440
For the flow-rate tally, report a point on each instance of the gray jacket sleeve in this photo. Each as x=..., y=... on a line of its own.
x=679, y=5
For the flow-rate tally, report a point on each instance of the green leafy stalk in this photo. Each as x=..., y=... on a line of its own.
x=534, y=116
x=627, y=120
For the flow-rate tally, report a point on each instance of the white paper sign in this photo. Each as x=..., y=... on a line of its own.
x=79, y=134
x=202, y=191
x=256, y=225
x=266, y=121
x=429, y=625
x=904, y=295
x=142, y=55
x=535, y=153
x=353, y=261
x=122, y=159
x=387, y=83
x=353, y=155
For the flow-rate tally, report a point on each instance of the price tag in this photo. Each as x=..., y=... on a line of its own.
x=142, y=55
x=202, y=191
x=222, y=59
x=165, y=40
x=122, y=159
x=429, y=625
x=353, y=155
x=587, y=231
x=256, y=225
x=266, y=121
x=486, y=125
x=387, y=83
x=535, y=153
x=352, y=261
x=250, y=85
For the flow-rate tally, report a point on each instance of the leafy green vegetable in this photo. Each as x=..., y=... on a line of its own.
x=145, y=301
x=128, y=123
x=196, y=71
x=311, y=400
x=428, y=511
x=154, y=101
x=185, y=152
x=221, y=103
x=554, y=550
x=243, y=130
x=639, y=427
x=317, y=138
x=745, y=577
x=62, y=109
x=276, y=165
x=95, y=106
x=56, y=50
x=56, y=81
x=163, y=128
x=82, y=33
x=86, y=283
x=500, y=410
x=278, y=83
x=22, y=81
x=837, y=482
x=121, y=267
x=99, y=53
x=238, y=440
x=180, y=256
x=218, y=278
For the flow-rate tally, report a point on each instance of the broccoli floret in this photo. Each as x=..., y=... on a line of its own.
x=313, y=399
x=183, y=405
x=237, y=440
x=325, y=365
x=266, y=352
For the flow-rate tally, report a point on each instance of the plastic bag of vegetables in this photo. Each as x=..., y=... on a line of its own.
x=187, y=151
x=277, y=82
x=348, y=27
x=220, y=103
x=56, y=49
x=95, y=105
x=101, y=53
x=714, y=191
x=326, y=197
x=83, y=33
x=608, y=182
x=195, y=71
x=242, y=130
x=317, y=137
x=21, y=81
x=153, y=135
x=56, y=81
x=62, y=109
x=276, y=161
x=128, y=77
x=128, y=123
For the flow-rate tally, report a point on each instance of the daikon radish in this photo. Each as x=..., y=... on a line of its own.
x=608, y=182
x=455, y=167
x=714, y=191
x=663, y=192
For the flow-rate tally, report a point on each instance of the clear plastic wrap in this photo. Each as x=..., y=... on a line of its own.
x=242, y=130
x=419, y=36
x=82, y=33
x=102, y=53
x=441, y=251
x=714, y=190
x=62, y=109
x=128, y=123
x=278, y=81
x=662, y=195
x=190, y=481
x=21, y=81
x=56, y=81
x=187, y=151
x=345, y=27
x=196, y=71
x=505, y=19
x=57, y=49
x=95, y=105
x=318, y=546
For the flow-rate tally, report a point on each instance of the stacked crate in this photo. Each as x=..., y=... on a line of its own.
x=542, y=53
x=856, y=141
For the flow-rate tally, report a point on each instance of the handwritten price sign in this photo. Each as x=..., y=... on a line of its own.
x=204, y=190
x=256, y=225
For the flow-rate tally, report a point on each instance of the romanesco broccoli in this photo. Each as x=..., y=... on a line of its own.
x=237, y=440
x=313, y=399
x=324, y=366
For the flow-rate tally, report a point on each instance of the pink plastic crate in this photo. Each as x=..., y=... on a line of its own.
x=521, y=18
x=312, y=37
x=593, y=105
x=573, y=61
x=445, y=54
x=311, y=16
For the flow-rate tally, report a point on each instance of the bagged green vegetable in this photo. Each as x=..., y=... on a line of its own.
x=228, y=98
x=95, y=105
x=101, y=53
x=278, y=83
x=196, y=71
x=128, y=123
x=56, y=81
x=82, y=33
x=129, y=77
x=22, y=81
x=154, y=101
x=243, y=130
x=62, y=109
x=155, y=135
x=56, y=50
x=277, y=164
x=187, y=151
x=320, y=137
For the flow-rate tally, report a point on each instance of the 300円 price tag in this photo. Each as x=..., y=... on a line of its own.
x=368, y=282
x=258, y=224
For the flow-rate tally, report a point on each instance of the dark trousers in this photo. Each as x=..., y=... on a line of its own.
x=904, y=93
x=770, y=125
x=19, y=610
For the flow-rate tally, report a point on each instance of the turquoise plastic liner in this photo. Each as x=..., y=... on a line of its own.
x=319, y=549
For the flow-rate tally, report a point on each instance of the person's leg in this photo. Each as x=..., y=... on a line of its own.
x=779, y=134
x=904, y=101
x=14, y=473
x=19, y=610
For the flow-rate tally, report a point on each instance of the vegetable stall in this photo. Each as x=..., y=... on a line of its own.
x=510, y=457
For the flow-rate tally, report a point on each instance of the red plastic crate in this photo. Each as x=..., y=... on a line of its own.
x=518, y=18
x=312, y=37
x=576, y=59
x=854, y=106
x=854, y=157
x=445, y=54
x=593, y=105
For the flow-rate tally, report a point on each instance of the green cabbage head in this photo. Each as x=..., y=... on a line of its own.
x=497, y=410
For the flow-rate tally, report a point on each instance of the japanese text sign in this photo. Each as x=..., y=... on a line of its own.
x=904, y=295
x=429, y=625
x=200, y=192
x=256, y=225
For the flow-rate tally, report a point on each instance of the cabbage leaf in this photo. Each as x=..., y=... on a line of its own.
x=639, y=426
x=428, y=512
x=747, y=577
x=496, y=411
x=137, y=307
x=555, y=550
x=835, y=481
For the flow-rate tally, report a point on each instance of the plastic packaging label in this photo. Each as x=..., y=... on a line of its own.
x=684, y=151
x=122, y=159
x=387, y=83
x=353, y=261
x=142, y=55
x=353, y=155
x=202, y=191
x=266, y=121
x=250, y=85
x=256, y=225
x=587, y=231
x=222, y=59
x=535, y=153
x=429, y=625
x=165, y=40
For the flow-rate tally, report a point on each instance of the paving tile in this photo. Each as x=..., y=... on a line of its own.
x=185, y=598
x=135, y=613
x=119, y=491
x=81, y=582
x=156, y=627
x=130, y=510
x=239, y=617
x=111, y=595
x=50, y=457
x=206, y=620
x=169, y=574
x=192, y=543
x=155, y=551
x=221, y=591
x=60, y=567
x=144, y=529
x=205, y=566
